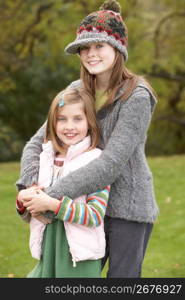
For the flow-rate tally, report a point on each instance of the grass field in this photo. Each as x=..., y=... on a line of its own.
x=165, y=255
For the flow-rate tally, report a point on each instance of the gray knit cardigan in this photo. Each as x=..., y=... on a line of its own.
x=122, y=164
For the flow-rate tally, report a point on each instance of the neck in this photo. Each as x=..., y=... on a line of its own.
x=102, y=81
x=63, y=151
x=61, y=154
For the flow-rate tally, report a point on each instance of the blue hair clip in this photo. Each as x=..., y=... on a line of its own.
x=61, y=102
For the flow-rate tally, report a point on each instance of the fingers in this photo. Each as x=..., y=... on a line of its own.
x=40, y=187
x=39, y=191
x=33, y=211
x=27, y=195
x=27, y=204
x=34, y=205
x=20, y=196
x=30, y=207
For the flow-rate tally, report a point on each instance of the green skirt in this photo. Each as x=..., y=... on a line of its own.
x=56, y=260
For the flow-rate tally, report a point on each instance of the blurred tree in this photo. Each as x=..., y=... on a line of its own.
x=32, y=61
x=34, y=68
x=169, y=46
x=156, y=48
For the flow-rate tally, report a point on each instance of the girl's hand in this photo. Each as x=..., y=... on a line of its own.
x=27, y=194
x=40, y=202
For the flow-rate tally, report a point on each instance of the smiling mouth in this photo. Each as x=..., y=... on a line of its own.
x=70, y=135
x=93, y=63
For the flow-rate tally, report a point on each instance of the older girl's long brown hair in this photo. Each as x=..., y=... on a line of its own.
x=120, y=77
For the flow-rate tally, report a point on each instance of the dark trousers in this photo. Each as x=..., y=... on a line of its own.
x=126, y=246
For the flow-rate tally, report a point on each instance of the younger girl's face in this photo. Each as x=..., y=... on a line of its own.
x=71, y=125
x=97, y=58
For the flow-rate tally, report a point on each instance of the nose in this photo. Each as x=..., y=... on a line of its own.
x=69, y=126
x=91, y=51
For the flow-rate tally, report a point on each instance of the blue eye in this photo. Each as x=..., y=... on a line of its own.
x=78, y=119
x=61, y=119
x=99, y=46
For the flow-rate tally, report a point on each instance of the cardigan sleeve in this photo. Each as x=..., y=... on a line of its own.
x=88, y=214
x=130, y=130
x=29, y=165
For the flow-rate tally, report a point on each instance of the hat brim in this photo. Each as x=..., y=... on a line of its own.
x=74, y=47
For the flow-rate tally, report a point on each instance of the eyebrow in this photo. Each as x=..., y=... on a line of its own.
x=59, y=115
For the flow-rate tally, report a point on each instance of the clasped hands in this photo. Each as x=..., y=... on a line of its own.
x=36, y=202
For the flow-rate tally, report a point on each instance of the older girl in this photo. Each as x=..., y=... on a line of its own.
x=124, y=106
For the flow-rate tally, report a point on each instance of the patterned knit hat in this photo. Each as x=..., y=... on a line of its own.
x=105, y=25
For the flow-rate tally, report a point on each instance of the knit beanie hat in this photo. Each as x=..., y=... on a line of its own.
x=105, y=25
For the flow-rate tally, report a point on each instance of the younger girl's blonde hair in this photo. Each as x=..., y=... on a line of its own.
x=72, y=96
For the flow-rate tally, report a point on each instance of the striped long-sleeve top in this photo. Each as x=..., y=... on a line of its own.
x=89, y=214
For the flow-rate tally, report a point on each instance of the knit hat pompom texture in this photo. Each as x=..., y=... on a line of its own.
x=105, y=25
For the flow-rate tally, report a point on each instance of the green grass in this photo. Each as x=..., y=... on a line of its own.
x=165, y=253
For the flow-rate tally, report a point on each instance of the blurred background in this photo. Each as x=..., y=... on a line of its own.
x=34, y=69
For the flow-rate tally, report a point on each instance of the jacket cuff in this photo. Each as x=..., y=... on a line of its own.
x=58, y=208
x=65, y=209
x=20, y=207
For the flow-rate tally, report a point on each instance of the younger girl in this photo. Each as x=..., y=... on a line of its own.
x=74, y=242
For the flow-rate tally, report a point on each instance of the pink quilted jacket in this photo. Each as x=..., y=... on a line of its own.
x=85, y=243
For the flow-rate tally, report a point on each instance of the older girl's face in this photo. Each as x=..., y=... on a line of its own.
x=98, y=58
